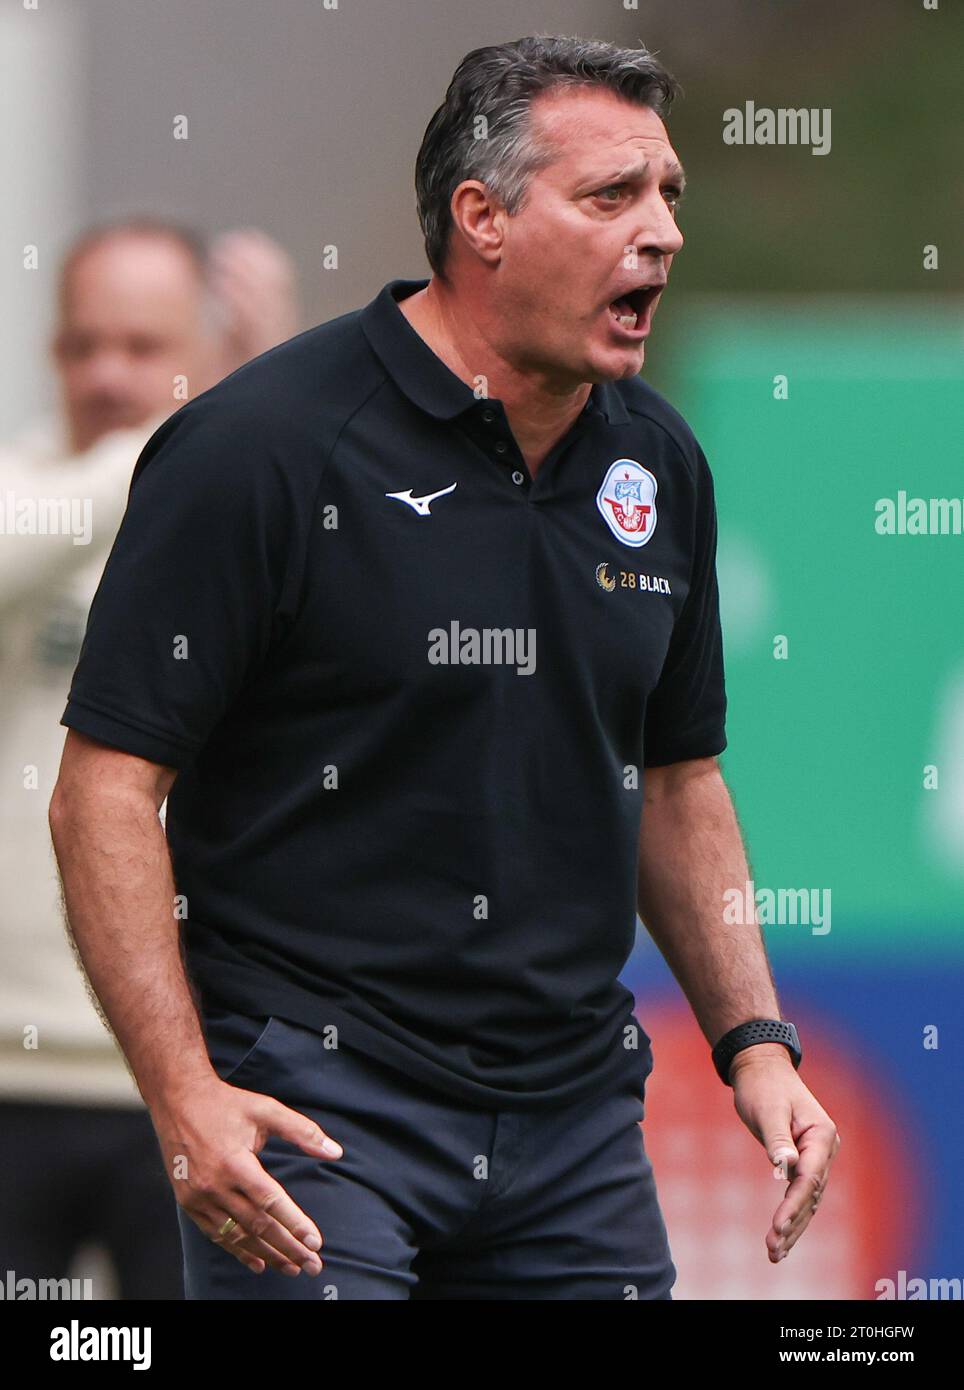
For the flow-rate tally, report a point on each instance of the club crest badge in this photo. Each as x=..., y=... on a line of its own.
x=627, y=502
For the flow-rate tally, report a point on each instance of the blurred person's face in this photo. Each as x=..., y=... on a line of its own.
x=130, y=322
x=567, y=254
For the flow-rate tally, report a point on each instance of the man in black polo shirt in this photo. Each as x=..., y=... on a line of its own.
x=397, y=617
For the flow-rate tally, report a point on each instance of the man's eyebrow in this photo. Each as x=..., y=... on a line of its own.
x=673, y=172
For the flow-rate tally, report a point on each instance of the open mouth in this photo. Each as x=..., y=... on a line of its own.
x=631, y=311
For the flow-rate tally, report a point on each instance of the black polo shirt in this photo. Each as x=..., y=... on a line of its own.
x=409, y=691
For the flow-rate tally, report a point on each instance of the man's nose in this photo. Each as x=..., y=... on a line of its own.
x=661, y=236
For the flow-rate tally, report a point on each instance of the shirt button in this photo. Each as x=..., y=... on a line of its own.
x=500, y=446
x=518, y=477
x=488, y=416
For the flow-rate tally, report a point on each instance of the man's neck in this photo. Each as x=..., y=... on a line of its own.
x=538, y=419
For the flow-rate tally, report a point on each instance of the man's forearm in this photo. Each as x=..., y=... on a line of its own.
x=691, y=853
x=119, y=893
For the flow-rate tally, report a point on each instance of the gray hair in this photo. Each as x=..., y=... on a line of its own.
x=482, y=129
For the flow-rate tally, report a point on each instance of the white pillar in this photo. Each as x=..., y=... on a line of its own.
x=42, y=143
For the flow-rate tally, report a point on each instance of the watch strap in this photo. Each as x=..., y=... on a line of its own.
x=756, y=1030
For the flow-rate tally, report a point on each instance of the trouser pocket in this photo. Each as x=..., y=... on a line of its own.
x=236, y=1043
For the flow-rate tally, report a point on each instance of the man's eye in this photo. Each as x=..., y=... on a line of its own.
x=610, y=188
x=672, y=197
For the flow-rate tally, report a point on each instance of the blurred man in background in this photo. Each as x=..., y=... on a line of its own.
x=147, y=319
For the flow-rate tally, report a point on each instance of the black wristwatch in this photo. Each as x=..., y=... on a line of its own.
x=757, y=1030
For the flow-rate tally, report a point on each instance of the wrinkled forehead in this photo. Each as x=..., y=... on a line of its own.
x=587, y=127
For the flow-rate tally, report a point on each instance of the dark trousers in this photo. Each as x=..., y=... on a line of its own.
x=79, y=1174
x=436, y=1199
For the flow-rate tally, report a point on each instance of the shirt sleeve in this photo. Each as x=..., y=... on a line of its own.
x=186, y=606
x=686, y=712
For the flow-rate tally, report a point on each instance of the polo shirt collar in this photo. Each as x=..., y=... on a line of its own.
x=423, y=376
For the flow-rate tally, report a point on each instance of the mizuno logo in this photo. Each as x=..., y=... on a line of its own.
x=421, y=504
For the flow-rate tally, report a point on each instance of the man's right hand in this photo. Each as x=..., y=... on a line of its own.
x=210, y=1136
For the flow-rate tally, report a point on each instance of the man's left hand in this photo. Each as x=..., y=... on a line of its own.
x=799, y=1136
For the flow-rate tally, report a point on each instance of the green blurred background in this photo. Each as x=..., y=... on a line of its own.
x=829, y=746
